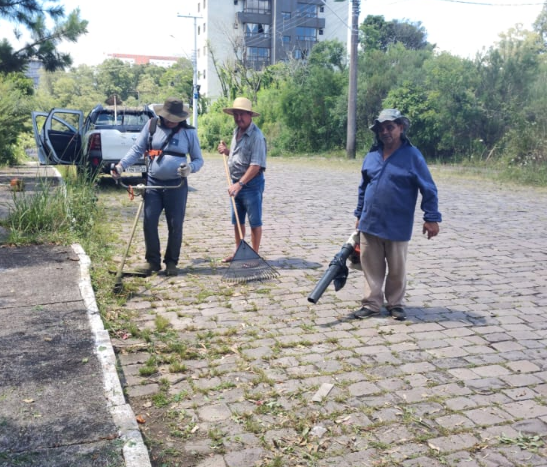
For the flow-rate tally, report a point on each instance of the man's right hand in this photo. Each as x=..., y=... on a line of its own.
x=116, y=171
x=222, y=148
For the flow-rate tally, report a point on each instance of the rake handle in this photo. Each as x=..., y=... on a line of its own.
x=231, y=197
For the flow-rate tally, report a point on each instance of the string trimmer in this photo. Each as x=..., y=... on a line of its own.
x=138, y=190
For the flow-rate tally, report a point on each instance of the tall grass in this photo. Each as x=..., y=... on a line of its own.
x=53, y=213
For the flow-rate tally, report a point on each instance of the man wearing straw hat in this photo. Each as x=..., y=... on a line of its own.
x=247, y=163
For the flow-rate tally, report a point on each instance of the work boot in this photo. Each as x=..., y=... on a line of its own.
x=171, y=269
x=148, y=268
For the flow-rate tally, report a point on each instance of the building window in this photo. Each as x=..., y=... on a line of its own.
x=199, y=6
x=204, y=4
x=260, y=56
x=286, y=39
x=204, y=74
x=198, y=30
x=256, y=29
x=306, y=34
x=301, y=54
x=203, y=28
x=258, y=6
x=285, y=15
x=305, y=10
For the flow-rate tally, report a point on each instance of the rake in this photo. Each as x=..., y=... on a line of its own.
x=246, y=265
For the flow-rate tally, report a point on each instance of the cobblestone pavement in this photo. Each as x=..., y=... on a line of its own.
x=461, y=382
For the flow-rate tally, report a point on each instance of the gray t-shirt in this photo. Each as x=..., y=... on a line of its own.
x=249, y=150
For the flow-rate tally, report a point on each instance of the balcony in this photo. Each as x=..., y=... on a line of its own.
x=254, y=16
x=306, y=39
x=262, y=39
x=257, y=63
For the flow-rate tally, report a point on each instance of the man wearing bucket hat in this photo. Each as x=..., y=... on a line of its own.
x=176, y=153
x=247, y=163
x=393, y=173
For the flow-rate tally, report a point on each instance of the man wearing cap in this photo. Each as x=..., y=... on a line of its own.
x=177, y=154
x=247, y=163
x=393, y=173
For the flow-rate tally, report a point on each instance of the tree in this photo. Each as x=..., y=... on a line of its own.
x=116, y=78
x=379, y=34
x=379, y=73
x=33, y=16
x=309, y=103
x=240, y=74
x=540, y=25
x=15, y=105
x=177, y=80
x=507, y=74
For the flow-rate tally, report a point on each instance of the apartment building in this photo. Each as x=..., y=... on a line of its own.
x=262, y=32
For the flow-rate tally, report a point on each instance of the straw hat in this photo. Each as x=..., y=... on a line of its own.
x=173, y=110
x=241, y=103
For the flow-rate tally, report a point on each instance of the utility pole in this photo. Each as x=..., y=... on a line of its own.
x=195, y=87
x=352, y=89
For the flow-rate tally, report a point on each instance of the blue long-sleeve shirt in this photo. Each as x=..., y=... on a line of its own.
x=183, y=144
x=389, y=190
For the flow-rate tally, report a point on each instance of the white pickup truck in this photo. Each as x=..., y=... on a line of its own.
x=63, y=137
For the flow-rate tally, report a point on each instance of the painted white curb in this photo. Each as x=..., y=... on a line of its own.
x=134, y=450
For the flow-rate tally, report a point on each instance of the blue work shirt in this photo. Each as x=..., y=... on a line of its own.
x=389, y=190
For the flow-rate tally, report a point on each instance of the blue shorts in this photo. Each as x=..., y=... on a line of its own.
x=249, y=202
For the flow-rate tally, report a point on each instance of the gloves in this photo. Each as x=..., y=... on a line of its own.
x=116, y=171
x=184, y=170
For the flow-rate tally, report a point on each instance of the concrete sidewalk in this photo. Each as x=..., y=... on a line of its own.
x=61, y=402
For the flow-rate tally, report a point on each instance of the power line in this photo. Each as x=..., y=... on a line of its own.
x=492, y=4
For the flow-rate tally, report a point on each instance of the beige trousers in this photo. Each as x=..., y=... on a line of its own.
x=377, y=254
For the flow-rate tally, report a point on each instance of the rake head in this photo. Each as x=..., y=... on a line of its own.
x=247, y=266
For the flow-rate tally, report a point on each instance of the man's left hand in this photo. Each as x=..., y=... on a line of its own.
x=432, y=229
x=184, y=170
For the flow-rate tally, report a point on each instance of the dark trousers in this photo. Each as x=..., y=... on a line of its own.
x=173, y=202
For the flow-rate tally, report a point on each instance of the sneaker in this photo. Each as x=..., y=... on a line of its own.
x=171, y=269
x=398, y=313
x=148, y=268
x=364, y=313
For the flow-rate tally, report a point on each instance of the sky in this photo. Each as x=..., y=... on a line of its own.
x=461, y=27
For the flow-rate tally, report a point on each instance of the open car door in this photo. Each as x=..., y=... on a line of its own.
x=58, y=136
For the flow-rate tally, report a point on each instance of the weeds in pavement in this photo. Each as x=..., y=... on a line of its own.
x=528, y=442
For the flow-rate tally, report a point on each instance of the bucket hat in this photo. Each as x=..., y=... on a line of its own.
x=391, y=115
x=173, y=109
x=241, y=103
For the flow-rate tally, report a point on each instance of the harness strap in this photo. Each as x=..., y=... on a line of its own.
x=151, y=153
